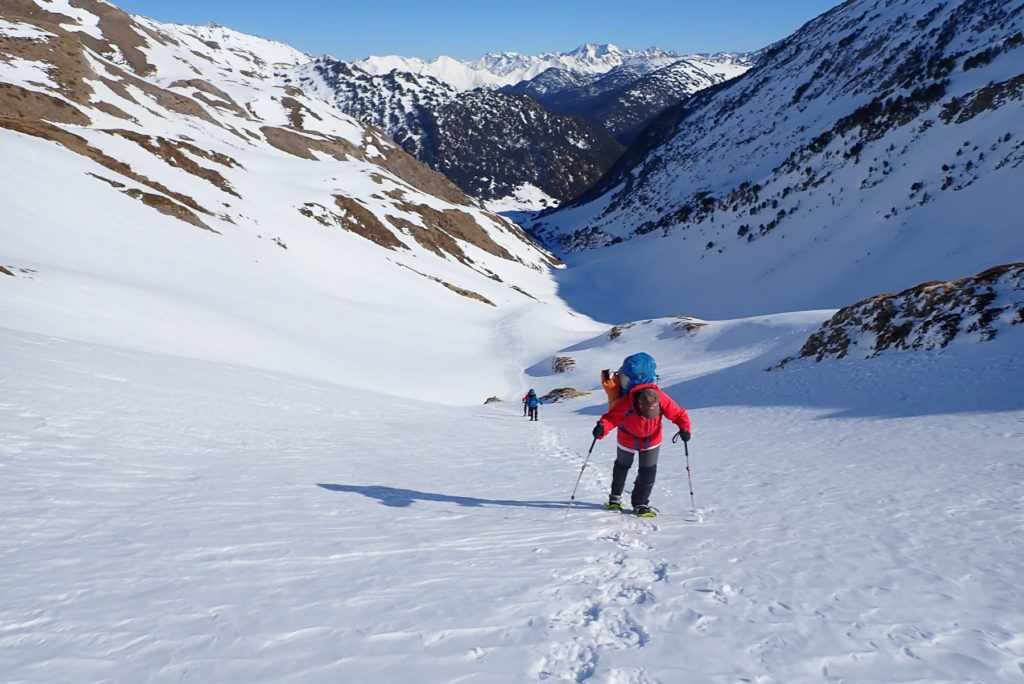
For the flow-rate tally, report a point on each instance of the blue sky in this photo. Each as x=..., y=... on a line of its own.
x=468, y=29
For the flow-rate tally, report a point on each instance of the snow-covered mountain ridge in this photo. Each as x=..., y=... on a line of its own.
x=625, y=99
x=877, y=147
x=507, y=68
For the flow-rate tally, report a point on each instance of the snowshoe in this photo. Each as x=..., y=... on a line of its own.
x=644, y=511
x=614, y=504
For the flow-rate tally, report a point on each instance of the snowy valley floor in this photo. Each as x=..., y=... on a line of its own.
x=166, y=519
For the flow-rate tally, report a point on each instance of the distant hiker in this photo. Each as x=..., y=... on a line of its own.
x=637, y=412
x=531, y=402
x=525, y=406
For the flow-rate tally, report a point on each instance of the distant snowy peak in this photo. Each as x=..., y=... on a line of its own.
x=507, y=68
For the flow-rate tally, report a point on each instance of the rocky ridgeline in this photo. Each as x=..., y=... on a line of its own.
x=928, y=316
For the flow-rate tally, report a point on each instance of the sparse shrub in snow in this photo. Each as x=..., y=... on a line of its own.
x=561, y=364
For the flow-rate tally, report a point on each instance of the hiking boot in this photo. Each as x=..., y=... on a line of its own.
x=614, y=503
x=643, y=511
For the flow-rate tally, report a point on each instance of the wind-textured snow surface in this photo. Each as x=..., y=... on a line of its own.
x=168, y=518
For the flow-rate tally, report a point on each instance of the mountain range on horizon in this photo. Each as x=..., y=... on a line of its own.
x=500, y=69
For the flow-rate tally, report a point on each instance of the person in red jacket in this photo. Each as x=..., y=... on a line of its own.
x=638, y=414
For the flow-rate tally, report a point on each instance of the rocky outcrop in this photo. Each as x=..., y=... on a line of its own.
x=925, y=317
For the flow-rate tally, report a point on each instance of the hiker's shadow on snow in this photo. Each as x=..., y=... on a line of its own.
x=402, y=498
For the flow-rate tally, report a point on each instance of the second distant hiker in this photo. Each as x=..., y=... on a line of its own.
x=531, y=402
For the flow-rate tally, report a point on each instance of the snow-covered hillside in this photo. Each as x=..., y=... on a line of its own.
x=878, y=147
x=161, y=174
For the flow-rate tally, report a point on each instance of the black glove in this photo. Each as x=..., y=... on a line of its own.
x=683, y=435
x=598, y=430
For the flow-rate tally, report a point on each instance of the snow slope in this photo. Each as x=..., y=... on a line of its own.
x=169, y=518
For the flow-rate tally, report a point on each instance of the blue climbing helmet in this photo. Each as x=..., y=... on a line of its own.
x=639, y=369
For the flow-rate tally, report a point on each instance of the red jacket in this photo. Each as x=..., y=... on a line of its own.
x=637, y=433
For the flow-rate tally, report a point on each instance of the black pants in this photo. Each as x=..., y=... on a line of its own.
x=533, y=413
x=645, y=474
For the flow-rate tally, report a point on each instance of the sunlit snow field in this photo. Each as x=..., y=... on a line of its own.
x=167, y=519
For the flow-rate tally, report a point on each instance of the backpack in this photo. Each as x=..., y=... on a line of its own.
x=647, y=403
x=639, y=369
x=532, y=400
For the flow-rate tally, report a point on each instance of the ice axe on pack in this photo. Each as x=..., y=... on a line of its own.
x=685, y=436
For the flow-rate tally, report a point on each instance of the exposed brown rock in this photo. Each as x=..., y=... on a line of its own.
x=167, y=206
x=303, y=146
x=419, y=175
x=222, y=101
x=616, y=330
x=20, y=103
x=443, y=225
x=523, y=292
x=457, y=290
x=171, y=152
x=297, y=112
x=358, y=219
x=687, y=325
x=61, y=50
x=119, y=30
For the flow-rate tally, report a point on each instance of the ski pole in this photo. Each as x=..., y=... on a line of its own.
x=686, y=450
x=580, y=477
